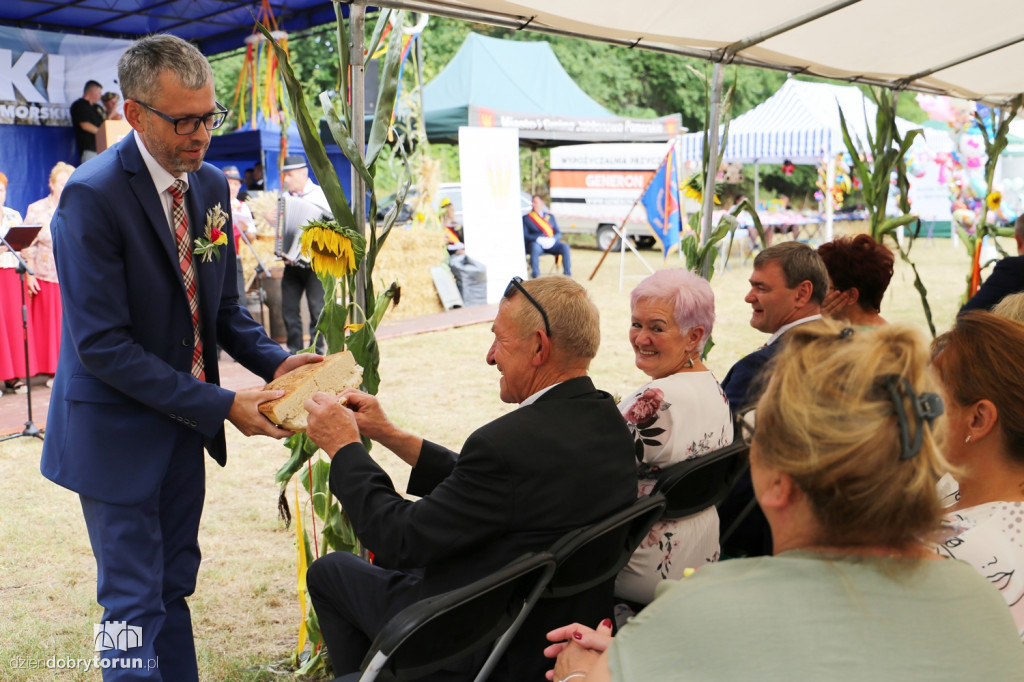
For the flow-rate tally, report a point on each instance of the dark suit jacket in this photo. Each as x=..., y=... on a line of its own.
x=519, y=484
x=1007, y=278
x=753, y=537
x=124, y=399
x=531, y=232
x=740, y=379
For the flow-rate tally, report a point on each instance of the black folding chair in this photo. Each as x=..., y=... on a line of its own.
x=588, y=556
x=695, y=484
x=438, y=631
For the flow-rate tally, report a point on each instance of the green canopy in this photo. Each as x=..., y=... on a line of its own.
x=509, y=83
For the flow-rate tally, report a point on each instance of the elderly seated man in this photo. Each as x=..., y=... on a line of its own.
x=561, y=460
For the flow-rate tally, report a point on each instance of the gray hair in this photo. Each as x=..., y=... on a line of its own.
x=140, y=66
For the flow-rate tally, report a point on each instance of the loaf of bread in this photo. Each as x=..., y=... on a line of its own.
x=336, y=373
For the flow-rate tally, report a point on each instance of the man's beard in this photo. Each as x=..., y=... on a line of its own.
x=168, y=157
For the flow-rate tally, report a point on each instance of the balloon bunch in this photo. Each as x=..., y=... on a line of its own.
x=843, y=184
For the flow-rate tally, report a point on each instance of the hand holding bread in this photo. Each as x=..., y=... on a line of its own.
x=330, y=425
x=332, y=376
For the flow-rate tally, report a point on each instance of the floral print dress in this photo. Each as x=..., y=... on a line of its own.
x=680, y=417
x=990, y=537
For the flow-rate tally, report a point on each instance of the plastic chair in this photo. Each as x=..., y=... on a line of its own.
x=588, y=556
x=438, y=631
x=695, y=484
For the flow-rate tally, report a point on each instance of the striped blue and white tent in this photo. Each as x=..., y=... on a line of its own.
x=799, y=123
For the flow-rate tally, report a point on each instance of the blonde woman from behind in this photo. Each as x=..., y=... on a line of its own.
x=844, y=463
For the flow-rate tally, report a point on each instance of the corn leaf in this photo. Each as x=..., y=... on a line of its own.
x=386, y=94
x=311, y=142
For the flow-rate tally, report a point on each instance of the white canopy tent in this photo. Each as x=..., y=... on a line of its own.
x=936, y=46
x=799, y=123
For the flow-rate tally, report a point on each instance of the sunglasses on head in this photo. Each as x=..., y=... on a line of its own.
x=517, y=283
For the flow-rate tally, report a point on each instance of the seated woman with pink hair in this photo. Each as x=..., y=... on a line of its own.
x=680, y=414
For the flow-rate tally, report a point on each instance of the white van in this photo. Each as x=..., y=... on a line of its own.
x=593, y=187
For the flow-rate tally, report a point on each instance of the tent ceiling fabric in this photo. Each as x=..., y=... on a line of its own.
x=937, y=46
x=214, y=25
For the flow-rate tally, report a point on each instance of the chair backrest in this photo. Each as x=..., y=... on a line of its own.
x=437, y=631
x=588, y=556
x=695, y=484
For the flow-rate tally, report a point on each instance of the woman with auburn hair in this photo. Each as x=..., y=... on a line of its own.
x=859, y=270
x=45, y=308
x=680, y=414
x=844, y=464
x=979, y=364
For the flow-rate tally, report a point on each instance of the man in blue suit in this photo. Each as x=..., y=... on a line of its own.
x=787, y=288
x=541, y=234
x=136, y=396
x=1007, y=276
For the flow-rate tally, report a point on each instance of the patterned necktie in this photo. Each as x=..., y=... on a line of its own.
x=182, y=236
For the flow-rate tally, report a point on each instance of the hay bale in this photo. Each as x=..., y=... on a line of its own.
x=406, y=258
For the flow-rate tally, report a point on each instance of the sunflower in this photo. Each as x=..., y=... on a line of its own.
x=994, y=200
x=693, y=188
x=331, y=248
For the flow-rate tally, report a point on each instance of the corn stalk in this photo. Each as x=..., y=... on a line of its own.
x=994, y=146
x=342, y=303
x=875, y=165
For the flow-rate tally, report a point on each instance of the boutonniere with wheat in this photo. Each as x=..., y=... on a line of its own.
x=207, y=247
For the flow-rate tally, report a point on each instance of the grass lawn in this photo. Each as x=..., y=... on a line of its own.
x=245, y=610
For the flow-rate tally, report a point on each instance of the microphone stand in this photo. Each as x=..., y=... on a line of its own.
x=261, y=272
x=30, y=430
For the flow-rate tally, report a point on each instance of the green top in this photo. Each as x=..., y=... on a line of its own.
x=807, y=616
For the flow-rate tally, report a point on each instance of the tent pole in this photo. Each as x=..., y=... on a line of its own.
x=712, y=170
x=830, y=208
x=757, y=184
x=357, y=20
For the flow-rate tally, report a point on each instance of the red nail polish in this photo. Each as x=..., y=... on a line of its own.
x=577, y=635
x=607, y=622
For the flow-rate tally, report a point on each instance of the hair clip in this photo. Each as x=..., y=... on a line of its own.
x=926, y=407
x=846, y=333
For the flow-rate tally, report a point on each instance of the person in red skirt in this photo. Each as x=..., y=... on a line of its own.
x=44, y=307
x=12, y=347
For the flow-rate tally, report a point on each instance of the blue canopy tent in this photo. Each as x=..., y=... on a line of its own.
x=37, y=78
x=262, y=143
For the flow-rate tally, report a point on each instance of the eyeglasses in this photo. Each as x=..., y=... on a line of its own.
x=517, y=283
x=186, y=125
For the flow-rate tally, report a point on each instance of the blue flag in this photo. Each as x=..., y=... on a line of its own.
x=661, y=201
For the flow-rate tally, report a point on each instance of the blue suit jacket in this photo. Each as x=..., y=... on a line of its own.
x=1007, y=278
x=124, y=399
x=740, y=379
